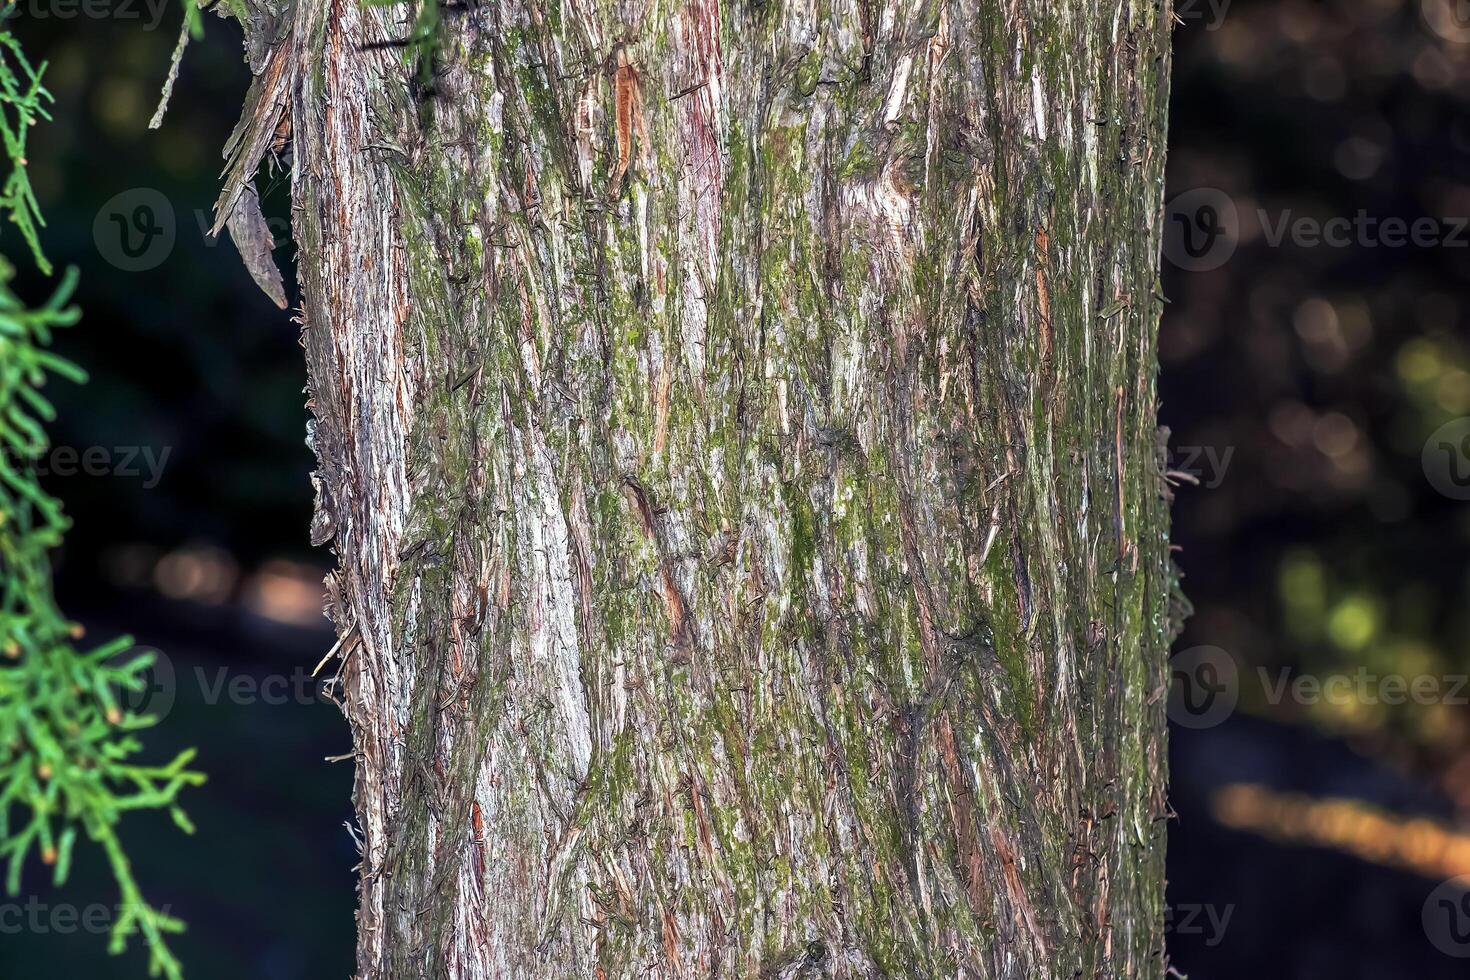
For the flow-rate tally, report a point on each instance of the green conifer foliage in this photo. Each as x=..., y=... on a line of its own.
x=67, y=735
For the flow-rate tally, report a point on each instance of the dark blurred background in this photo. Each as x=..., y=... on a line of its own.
x=191, y=516
x=1312, y=350
x=1308, y=379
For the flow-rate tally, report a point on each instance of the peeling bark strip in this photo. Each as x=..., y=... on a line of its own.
x=676, y=368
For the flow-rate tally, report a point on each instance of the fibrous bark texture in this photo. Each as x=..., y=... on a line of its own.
x=736, y=429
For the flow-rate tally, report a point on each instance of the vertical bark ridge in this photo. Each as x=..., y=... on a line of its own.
x=736, y=428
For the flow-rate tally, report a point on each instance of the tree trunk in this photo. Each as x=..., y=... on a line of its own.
x=736, y=427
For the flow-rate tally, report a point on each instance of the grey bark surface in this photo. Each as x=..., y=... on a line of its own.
x=736, y=428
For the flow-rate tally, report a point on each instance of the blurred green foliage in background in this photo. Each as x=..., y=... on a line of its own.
x=1325, y=551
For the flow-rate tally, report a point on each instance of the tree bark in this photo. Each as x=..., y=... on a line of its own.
x=736, y=427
